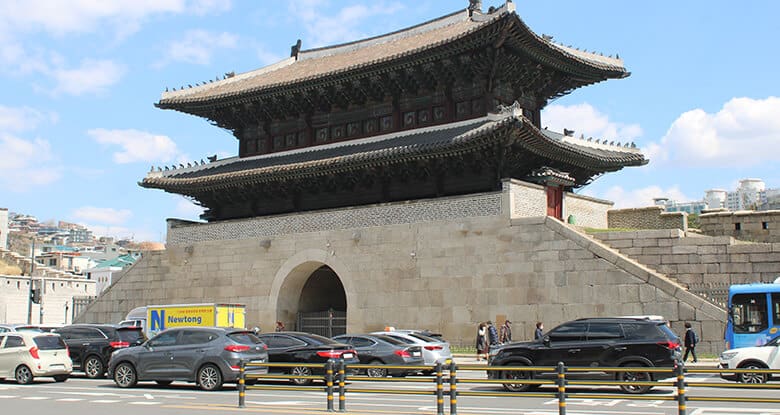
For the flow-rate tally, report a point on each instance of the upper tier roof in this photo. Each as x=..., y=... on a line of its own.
x=341, y=59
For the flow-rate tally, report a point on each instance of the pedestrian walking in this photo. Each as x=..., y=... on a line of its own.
x=482, y=347
x=279, y=326
x=492, y=334
x=690, y=342
x=505, y=333
x=539, y=333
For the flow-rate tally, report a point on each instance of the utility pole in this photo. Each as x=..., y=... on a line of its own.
x=30, y=288
x=42, y=289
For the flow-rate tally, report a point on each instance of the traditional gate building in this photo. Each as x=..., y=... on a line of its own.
x=404, y=180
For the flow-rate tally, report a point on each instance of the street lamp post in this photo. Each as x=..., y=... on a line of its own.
x=30, y=287
x=66, y=313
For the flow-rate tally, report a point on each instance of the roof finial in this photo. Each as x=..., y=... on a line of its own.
x=475, y=6
x=295, y=50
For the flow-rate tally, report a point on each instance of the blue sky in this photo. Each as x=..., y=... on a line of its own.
x=78, y=128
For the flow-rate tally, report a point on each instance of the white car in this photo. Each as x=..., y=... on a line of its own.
x=25, y=355
x=758, y=357
x=434, y=350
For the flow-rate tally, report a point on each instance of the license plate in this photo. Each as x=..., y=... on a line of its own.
x=347, y=355
x=416, y=354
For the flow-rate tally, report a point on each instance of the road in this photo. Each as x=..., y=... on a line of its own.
x=92, y=397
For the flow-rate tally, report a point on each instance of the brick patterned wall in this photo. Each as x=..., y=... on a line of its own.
x=652, y=217
x=761, y=226
x=587, y=211
x=528, y=199
x=485, y=204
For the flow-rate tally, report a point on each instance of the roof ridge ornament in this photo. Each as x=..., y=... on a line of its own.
x=475, y=6
x=295, y=49
x=514, y=109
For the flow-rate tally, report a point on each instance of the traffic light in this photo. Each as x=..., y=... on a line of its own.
x=35, y=296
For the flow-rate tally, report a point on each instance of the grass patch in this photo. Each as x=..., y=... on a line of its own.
x=6, y=269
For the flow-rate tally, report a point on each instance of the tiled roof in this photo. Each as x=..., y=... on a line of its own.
x=323, y=62
x=393, y=148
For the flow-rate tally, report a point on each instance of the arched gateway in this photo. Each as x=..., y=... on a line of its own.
x=310, y=295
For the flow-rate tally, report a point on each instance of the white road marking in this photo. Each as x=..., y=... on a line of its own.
x=105, y=401
x=35, y=398
x=148, y=396
x=144, y=403
x=8, y=396
x=70, y=399
x=730, y=411
x=292, y=403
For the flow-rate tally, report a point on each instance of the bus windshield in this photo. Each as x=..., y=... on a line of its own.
x=748, y=312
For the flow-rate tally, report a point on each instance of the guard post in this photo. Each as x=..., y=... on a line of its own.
x=242, y=384
x=342, y=386
x=679, y=369
x=561, y=370
x=329, y=383
x=453, y=388
x=439, y=389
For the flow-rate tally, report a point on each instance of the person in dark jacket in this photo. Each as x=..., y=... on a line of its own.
x=690, y=342
x=505, y=333
x=539, y=333
x=492, y=334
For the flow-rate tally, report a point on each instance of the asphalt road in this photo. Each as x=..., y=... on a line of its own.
x=87, y=397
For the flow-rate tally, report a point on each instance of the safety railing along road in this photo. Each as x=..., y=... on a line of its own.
x=335, y=376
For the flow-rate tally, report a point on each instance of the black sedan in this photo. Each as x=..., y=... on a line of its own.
x=377, y=349
x=296, y=347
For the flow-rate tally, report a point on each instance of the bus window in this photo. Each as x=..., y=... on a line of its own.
x=749, y=312
x=776, y=309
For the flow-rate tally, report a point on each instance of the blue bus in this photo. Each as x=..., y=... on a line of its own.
x=753, y=314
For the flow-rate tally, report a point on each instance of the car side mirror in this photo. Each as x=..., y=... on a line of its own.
x=546, y=341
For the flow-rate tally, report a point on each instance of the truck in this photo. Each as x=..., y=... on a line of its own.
x=156, y=318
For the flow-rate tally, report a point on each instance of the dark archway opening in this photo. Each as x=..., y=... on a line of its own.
x=322, y=307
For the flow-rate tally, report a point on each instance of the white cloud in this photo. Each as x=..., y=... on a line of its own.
x=25, y=163
x=137, y=145
x=93, y=76
x=642, y=197
x=87, y=16
x=188, y=210
x=198, y=46
x=105, y=216
x=22, y=118
x=588, y=121
x=343, y=26
x=745, y=132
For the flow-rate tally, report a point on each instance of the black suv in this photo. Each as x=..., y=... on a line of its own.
x=593, y=342
x=91, y=345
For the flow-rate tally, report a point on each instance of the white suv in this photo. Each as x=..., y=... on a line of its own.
x=758, y=357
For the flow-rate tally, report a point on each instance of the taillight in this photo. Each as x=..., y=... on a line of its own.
x=119, y=345
x=34, y=352
x=67, y=351
x=238, y=348
x=433, y=347
x=334, y=354
x=265, y=347
x=671, y=345
x=402, y=353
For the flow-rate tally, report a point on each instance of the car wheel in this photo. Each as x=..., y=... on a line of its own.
x=23, y=375
x=125, y=376
x=751, y=377
x=301, y=371
x=60, y=378
x=163, y=382
x=376, y=372
x=209, y=378
x=634, y=376
x=516, y=375
x=93, y=367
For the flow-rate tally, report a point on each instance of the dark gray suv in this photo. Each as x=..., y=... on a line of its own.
x=208, y=356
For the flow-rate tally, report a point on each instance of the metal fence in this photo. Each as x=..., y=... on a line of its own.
x=336, y=374
x=326, y=323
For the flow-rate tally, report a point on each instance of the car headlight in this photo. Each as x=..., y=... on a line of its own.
x=728, y=355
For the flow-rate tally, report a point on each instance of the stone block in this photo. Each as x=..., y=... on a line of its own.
x=732, y=268
x=675, y=259
x=765, y=257
x=767, y=267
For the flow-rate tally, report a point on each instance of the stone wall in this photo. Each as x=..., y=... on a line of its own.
x=444, y=275
x=651, y=217
x=702, y=263
x=756, y=226
x=586, y=211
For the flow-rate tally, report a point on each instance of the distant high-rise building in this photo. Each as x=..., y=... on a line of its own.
x=715, y=198
x=747, y=196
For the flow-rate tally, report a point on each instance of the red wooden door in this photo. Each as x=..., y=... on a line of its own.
x=555, y=201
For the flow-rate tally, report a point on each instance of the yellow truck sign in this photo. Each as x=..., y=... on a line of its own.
x=161, y=317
